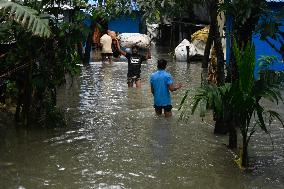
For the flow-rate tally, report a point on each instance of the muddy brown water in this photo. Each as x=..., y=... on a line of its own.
x=114, y=140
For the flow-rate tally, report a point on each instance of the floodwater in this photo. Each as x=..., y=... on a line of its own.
x=114, y=140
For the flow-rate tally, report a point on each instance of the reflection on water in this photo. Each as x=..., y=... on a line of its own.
x=115, y=140
x=161, y=139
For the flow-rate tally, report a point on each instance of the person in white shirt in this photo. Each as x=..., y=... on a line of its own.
x=106, y=42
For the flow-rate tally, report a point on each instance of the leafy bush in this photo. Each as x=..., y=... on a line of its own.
x=241, y=99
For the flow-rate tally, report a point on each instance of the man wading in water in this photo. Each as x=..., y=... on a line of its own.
x=134, y=65
x=161, y=85
x=106, y=42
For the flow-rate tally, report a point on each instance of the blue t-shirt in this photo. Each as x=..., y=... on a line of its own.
x=160, y=81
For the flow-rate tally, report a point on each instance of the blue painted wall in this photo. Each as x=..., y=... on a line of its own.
x=263, y=48
x=125, y=24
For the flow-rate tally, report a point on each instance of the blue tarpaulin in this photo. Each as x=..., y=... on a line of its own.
x=125, y=24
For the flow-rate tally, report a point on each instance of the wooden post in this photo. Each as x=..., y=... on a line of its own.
x=187, y=54
x=171, y=39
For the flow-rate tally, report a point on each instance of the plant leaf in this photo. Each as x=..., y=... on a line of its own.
x=27, y=17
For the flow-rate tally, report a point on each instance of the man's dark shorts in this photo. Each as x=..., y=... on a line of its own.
x=106, y=55
x=167, y=108
x=133, y=79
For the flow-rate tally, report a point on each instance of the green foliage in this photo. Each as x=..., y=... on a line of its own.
x=106, y=10
x=27, y=17
x=99, y=13
x=12, y=89
x=270, y=24
x=154, y=10
x=266, y=61
x=242, y=10
x=51, y=115
x=241, y=98
x=269, y=28
x=71, y=63
x=47, y=59
x=245, y=59
x=5, y=32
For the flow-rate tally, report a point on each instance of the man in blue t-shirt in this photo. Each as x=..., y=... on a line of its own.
x=161, y=85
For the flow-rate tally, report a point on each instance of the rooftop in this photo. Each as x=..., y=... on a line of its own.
x=275, y=1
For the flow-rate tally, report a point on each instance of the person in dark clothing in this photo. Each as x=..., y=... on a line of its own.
x=134, y=65
x=115, y=49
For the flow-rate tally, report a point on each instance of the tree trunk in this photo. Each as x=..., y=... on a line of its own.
x=80, y=50
x=27, y=97
x=220, y=61
x=19, y=105
x=218, y=46
x=220, y=126
x=208, y=46
x=233, y=139
x=245, y=31
x=87, y=54
x=244, y=155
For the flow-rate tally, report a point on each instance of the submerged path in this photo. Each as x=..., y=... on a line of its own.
x=114, y=140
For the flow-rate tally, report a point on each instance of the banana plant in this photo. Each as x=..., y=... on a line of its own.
x=240, y=99
x=26, y=17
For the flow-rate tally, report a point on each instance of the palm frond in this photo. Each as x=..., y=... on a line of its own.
x=195, y=104
x=260, y=111
x=275, y=115
x=27, y=17
x=210, y=95
x=183, y=99
x=266, y=61
x=245, y=60
x=273, y=95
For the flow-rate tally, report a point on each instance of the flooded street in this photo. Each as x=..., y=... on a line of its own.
x=114, y=140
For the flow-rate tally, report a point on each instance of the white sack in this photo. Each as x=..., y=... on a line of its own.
x=181, y=53
x=127, y=40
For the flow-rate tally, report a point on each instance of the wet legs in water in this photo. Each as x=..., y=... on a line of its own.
x=107, y=58
x=166, y=113
x=137, y=83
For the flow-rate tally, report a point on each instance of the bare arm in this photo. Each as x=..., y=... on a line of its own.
x=148, y=55
x=174, y=87
x=101, y=43
x=152, y=89
x=119, y=49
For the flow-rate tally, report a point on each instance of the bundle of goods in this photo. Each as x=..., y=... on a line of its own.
x=127, y=40
x=197, y=46
x=199, y=40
